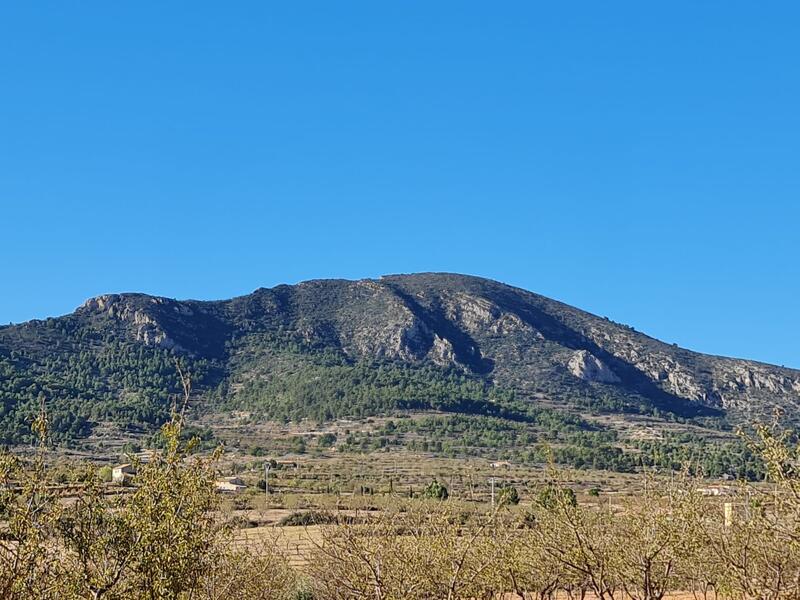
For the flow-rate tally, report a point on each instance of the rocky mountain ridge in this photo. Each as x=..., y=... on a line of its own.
x=514, y=337
x=340, y=349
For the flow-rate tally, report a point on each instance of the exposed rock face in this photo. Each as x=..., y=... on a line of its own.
x=588, y=367
x=408, y=340
x=146, y=327
x=474, y=314
x=477, y=315
x=442, y=352
x=760, y=379
x=710, y=380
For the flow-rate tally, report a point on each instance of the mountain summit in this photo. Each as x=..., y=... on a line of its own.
x=111, y=356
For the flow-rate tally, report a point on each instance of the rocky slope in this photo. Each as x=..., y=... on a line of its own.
x=543, y=350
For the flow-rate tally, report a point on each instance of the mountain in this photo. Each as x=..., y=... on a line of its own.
x=328, y=349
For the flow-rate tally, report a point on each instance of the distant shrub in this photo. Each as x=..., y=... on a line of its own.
x=326, y=440
x=306, y=518
x=550, y=497
x=435, y=490
x=508, y=496
x=242, y=503
x=105, y=474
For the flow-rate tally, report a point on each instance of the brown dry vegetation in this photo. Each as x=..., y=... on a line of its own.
x=171, y=538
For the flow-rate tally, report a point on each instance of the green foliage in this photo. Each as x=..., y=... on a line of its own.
x=30, y=511
x=326, y=440
x=298, y=444
x=733, y=459
x=507, y=496
x=162, y=541
x=164, y=532
x=551, y=496
x=85, y=378
x=310, y=517
x=435, y=491
x=323, y=391
x=105, y=474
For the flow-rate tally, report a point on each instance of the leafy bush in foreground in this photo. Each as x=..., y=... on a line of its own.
x=165, y=540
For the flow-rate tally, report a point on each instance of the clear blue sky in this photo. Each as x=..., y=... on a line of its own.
x=640, y=160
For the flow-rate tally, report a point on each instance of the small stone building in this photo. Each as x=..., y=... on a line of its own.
x=230, y=485
x=123, y=473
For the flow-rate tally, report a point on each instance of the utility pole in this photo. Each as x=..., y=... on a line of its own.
x=493, y=467
x=266, y=479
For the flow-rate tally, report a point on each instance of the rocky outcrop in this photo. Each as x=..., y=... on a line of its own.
x=588, y=367
x=473, y=314
x=133, y=311
x=743, y=377
x=407, y=338
x=478, y=315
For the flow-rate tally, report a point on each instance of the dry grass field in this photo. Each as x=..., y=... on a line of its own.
x=379, y=525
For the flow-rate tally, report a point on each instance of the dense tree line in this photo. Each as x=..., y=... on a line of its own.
x=106, y=380
x=324, y=392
